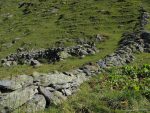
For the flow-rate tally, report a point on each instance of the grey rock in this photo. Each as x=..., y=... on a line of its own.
x=61, y=86
x=17, y=82
x=15, y=99
x=6, y=85
x=35, y=63
x=67, y=92
x=52, y=97
x=50, y=89
x=36, y=104
x=64, y=54
x=7, y=64
x=47, y=79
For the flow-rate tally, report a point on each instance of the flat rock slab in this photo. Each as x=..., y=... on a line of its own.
x=49, y=79
x=13, y=100
x=16, y=83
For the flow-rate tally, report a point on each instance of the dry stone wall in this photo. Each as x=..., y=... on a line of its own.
x=51, y=55
x=40, y=90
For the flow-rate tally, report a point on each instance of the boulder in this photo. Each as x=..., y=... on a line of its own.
x=15, y=99
x=51, y=97
x=36, y=104
x=48, y=79
x=17, y=82
x=8, y=85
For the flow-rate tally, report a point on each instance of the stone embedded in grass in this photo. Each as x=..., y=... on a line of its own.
x=35, y=63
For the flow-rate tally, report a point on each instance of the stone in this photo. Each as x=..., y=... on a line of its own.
x=35, y=63
x=60, y=95
x=48, y=79
x=61, y=86
x=90, y=51
x=68, y=73
x=7, y=64
x=64, y=54
x=80, y=79
x=102, y=64
x=51, y=97
x=84, y=52
x=17, y=82
x=50, y=89
x=15, y=40
x=8, y=85
x=17, y=98
x=36, y=104
x=90, y=69
x=67, y=92
x=3, y=60
x=99, y=38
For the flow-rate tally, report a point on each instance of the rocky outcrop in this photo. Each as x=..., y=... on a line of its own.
x=51, y=55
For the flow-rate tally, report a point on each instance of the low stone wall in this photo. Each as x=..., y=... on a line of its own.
x=51, y=55
x=40, y=90
x=131, y=44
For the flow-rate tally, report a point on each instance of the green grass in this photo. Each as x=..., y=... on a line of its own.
x=74, y=19
x=110, y=93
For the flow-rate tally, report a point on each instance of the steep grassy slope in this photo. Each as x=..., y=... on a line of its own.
x=49, y=21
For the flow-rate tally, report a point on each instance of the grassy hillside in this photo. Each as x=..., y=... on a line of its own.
x=118, y=91
x=44, y=22
x=48, y=21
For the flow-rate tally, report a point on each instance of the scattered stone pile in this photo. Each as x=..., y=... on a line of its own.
x=52, y=55
x=40, y=90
